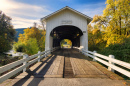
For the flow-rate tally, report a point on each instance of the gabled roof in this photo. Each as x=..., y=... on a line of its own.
x=89, y=19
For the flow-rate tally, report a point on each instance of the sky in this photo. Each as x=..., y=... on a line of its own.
x=25, y=12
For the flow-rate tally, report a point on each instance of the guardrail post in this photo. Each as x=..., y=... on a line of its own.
x=24, y=63
x=82, y=51
x=94, y=55
x=39, y=56
x=109, y=68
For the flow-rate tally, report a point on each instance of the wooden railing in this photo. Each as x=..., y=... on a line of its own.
x=26, y=61
x=109, y=61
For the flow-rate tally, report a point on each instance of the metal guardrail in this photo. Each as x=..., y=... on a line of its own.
x=108, y=61
x=26, y=61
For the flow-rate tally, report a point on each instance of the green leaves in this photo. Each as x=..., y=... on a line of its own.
x=31, y=41
x=31, y=47
x=7, y=33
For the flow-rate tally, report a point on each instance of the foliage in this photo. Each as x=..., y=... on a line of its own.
x=31, y=46
x=4, y=60
x=19, y=47
x=31, y=39
x=7, y=33
x=111, y=31
x=66, y=42
x=95, y=38
x=120, y=51
x=42, y=40
x=115, y=21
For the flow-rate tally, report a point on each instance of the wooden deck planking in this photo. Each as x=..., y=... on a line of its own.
x=92, y=67
x=57, y=64
x=56, y=68
x=60, y=70
x=80, y=66
x=83, y=68
x=52, y=65
x=74, y=66
x=50, y=70
x=88, y=71
x=41, y=68
x=82, y=72
x=92, y=71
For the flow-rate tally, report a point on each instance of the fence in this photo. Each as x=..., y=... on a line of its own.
x=108, y=61
x=26, y=61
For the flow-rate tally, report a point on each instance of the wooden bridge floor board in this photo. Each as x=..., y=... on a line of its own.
x=53, y=66
x=56, y=68
x=83, y=68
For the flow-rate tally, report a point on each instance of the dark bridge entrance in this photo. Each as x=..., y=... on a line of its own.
x=66, y=32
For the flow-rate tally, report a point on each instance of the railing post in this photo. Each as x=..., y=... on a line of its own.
x=109, y=68
x=46, y=52
x=82, y=51
x=94, y=55
x=24, y=63
x=39, y=56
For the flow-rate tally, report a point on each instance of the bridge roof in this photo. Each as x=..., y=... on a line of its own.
x=89, y=19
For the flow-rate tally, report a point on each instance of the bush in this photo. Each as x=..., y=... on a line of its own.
x=19, y=47
x=120, y=51
x=31, y=46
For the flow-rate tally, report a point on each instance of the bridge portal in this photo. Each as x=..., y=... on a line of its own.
x=66, y=23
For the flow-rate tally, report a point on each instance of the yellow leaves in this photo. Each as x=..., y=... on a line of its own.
x=95, y=31
x=114, y=24
x=5, y=35
x=30, y=33
x=96, y=18
x=115, y=39
x=77, y=34
x=33, y=33
x=21, y=38
x=109, y=1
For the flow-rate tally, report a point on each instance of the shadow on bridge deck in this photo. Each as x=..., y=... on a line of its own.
x=66, y=67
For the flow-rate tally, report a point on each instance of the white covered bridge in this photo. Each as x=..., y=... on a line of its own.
x=65, y=67
x=66, y=23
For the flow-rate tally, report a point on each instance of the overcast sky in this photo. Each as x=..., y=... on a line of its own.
x=25, y=12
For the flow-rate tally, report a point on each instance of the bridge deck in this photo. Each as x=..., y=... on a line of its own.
x=67, y=63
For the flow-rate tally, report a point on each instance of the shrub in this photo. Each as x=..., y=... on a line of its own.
x=19, y=47
x=120, y=51
x=31, y=46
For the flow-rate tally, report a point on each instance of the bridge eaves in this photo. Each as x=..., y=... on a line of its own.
x=89, y=19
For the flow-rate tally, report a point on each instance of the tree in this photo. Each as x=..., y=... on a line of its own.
x=95, y=38
x=7, y=33
x=115, y=21
x=117, y=12
x=34, y=35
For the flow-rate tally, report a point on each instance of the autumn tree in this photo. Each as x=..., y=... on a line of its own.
x=31, y=35
x=110, y=33
x=95, y=38
x=117, y=13
x=7, y=33
x=115, y=21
